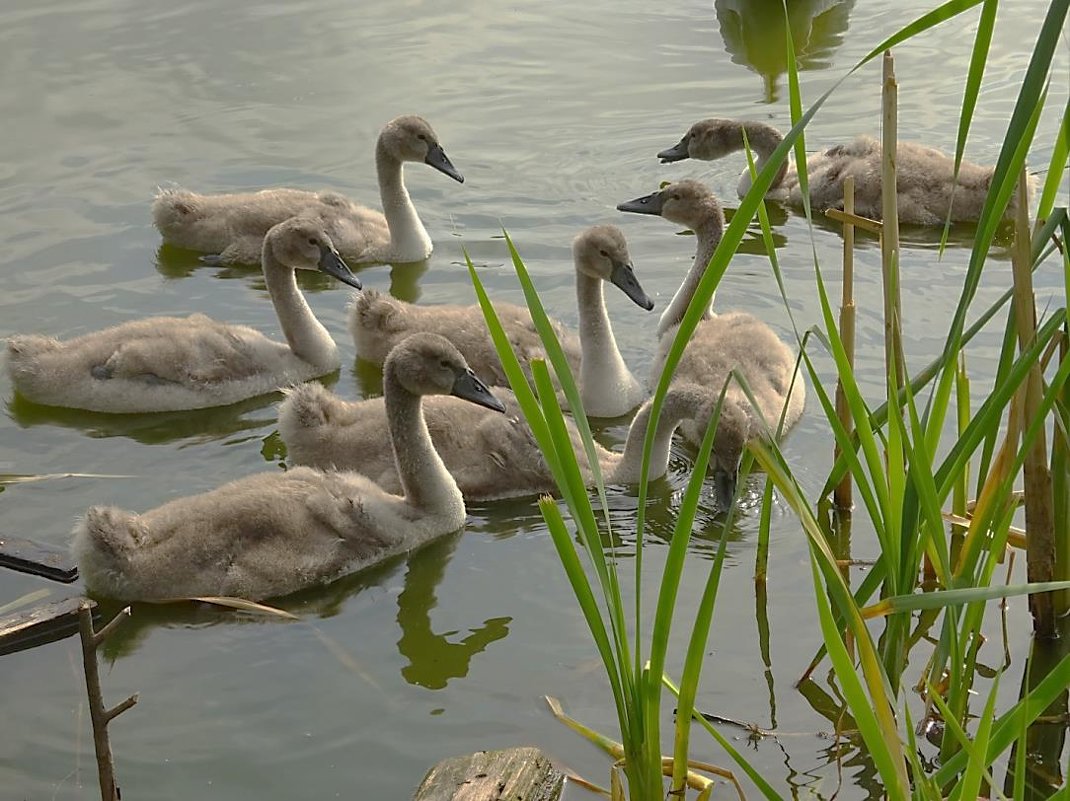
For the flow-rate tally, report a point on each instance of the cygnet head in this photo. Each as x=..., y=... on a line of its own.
x=411, y=138
x=733, y=433
x=602, y=252
x=301, y=244
x=429, y=364
x=687, y=202
x=705, y=140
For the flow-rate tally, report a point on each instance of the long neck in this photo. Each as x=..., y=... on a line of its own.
x=407, y=233
x=425, y=482
x=707, y=236
x=763, y=140
x=629, y=469
x=602, y=368
x=683, y=402
x=307, y=337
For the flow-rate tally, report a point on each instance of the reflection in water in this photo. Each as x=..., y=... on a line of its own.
x=753, y=33
x=176, y=263
x=433, y=659
x=196, y=425
x=369, y=376
x=405, y=280
x=173, y=262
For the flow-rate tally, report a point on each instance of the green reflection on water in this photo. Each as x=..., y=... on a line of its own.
x=753, y=33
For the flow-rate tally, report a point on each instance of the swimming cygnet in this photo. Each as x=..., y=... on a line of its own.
x=491, y=456
x=607, y=387
x=721, y=343
x=274, y=533
x=925, y=177
x=231, y=227
x=163, y=364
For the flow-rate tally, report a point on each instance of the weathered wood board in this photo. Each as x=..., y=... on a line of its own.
x=38, y=558
x=40, y=624
x=512, y=774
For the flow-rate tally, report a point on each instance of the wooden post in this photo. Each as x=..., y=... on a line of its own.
x=513, y=773
x=843, y=492
x=98, y=713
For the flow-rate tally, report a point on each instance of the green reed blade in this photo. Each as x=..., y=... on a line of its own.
x=581, y=587
x=759, y=781
x=669, y=589
x=1056, y=167
x=982, y=42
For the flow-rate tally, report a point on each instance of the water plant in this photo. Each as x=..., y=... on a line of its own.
x=909, y=455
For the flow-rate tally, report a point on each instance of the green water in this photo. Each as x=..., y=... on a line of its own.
x=553, y=112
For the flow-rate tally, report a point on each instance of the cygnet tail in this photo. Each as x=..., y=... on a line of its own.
x=308, y=405
x=371, y=310
x=103, y=543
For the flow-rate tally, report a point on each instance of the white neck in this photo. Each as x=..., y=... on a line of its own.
x=307, y=337
x=607, y=387
x=763, y=140
x=679, y=403
x=425, y=482
x=408, y=237
x=707, y=236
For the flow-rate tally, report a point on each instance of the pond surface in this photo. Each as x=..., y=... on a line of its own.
x=553, y=112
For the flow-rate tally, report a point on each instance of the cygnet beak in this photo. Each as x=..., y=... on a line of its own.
x=677, y=152
x=647, y=204
x=469, y=387
x=437, y=158
x=333, y=264
x=623, y=277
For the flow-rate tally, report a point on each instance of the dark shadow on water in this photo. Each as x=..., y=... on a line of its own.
x=753, y=34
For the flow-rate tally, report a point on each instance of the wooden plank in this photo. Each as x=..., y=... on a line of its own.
x=40, y=624
x=512, y=773
x=48, y=561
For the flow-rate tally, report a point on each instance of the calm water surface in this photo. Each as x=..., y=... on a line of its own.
x=553, y=112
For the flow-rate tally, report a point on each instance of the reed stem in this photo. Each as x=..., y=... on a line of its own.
x=893, y=339
x=1039, y=515
x=843, y=494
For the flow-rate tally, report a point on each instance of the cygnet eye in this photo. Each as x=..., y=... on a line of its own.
x=604, y=254
x=312, y=241
x=422, y=137
x=445, y=363
x=674, y=197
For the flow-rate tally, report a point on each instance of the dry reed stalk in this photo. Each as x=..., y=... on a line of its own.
x=1061, y=449
x=893, y=339
x=842, y=495
x=1039, y=514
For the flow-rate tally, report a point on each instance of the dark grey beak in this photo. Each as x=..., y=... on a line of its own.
x=437, y=158
x=332, y=264
x=724, y=488
x=647, y=204
x=469, y=387
x=677, y=152
x=623, y=277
